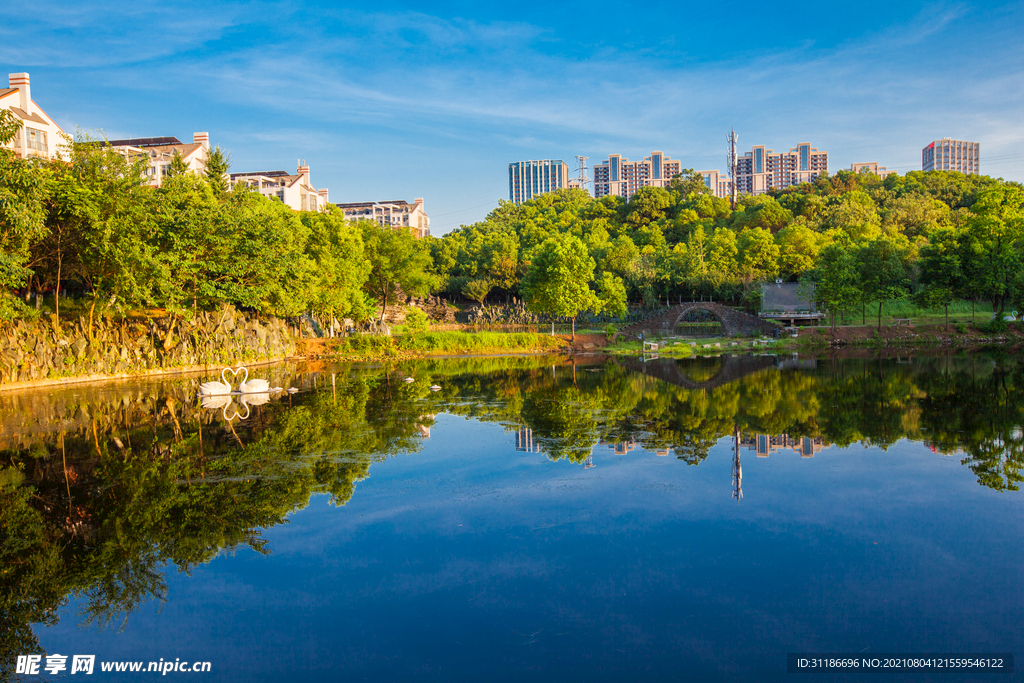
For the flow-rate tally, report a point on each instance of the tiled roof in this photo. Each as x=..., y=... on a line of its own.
x=24, y=115
x=4, y=92
x=144, y=142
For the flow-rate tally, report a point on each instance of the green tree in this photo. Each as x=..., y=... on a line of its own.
x=993, y=237
x=558, y=280
x=218, y=163
x=477, y=290
x=335, y=246
x=941, y=277
x=24, y=188
x=611, y=295
x=835, y=281
x=758, y=254
x=398, y=262
x=687, y=183
x=882, y=272
x=178, y=166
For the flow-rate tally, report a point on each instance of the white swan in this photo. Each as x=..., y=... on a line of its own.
x=214, y=402
x=257, y=399
x=216, y=388
x=255, y=386
x=224, y=403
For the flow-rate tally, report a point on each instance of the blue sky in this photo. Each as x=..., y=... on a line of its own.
x=396, y=101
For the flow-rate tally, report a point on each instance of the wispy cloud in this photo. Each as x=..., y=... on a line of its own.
x=481, y=90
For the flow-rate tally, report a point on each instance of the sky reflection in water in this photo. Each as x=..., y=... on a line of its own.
x=469, y=559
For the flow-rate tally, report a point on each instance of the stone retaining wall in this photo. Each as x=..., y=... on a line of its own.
x=39, y=350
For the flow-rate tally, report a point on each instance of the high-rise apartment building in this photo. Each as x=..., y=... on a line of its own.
x=761, y=169
x=618, y=175
x=718, y=183
x=952, y=155
x=527, y=179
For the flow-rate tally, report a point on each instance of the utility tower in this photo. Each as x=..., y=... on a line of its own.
x=737, y=468
x=582, y=178
x=730, y=162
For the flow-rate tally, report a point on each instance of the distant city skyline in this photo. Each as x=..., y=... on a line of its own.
x=402, y=102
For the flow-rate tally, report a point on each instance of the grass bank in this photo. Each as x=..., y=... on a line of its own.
x=423, y=344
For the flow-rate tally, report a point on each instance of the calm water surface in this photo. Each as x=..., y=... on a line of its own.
x=531, y=520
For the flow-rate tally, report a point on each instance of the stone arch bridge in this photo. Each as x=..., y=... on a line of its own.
x=734, y=323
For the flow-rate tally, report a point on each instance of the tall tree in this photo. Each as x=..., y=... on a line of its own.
x=336, y=247
x=835, y=281
x=688, y=182
x=398, y=262
x=941, y=276
x=177, y=165
x=23, y=191
x=558, y=281
x=218, y=163
x=882, y=272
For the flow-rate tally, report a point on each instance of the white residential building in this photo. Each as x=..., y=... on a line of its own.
x=948, y=154
x=527, y=179
x=39, y=136
x=160, y=151
x=295, y=190
x=718, y=183
x=761, y=169
x=618, y=175
x=871, y=167
x=396, y=214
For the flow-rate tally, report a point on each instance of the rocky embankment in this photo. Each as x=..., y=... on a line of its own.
x=32, y=351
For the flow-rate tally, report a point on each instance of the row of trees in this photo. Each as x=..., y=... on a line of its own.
x=861, y=238
x=88, y=224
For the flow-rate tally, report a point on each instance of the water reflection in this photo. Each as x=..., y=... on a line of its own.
x=105, y=487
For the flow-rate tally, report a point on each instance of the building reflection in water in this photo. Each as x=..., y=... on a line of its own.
x=766, y=444
x=620, y=447
x=524, y=441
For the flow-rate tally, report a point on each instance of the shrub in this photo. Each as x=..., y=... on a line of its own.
x=994, y=326
x=416, y=320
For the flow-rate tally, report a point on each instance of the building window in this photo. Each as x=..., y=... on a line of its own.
x=36, y=139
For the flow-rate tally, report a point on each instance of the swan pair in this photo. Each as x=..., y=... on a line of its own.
x=224, y=402
x=246, y=386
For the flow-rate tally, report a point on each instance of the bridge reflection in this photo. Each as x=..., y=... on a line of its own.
x=729, y=369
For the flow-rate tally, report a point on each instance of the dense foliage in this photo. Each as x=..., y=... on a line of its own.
x=87, y=224
x=861, y=238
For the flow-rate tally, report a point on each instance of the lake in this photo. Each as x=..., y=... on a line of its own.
x=531, y=519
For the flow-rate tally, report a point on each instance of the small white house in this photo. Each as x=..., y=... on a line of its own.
x=295, y=190
x=39, y=136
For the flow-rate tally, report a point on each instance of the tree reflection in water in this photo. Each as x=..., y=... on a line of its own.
x=100, y=492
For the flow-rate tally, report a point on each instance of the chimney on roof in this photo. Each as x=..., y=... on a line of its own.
x=323, y=195
x=304, y=170
x=202, y=138
x=20, y=81
x=419, y=202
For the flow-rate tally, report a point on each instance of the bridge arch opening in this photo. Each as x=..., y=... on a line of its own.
x=698, y=322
